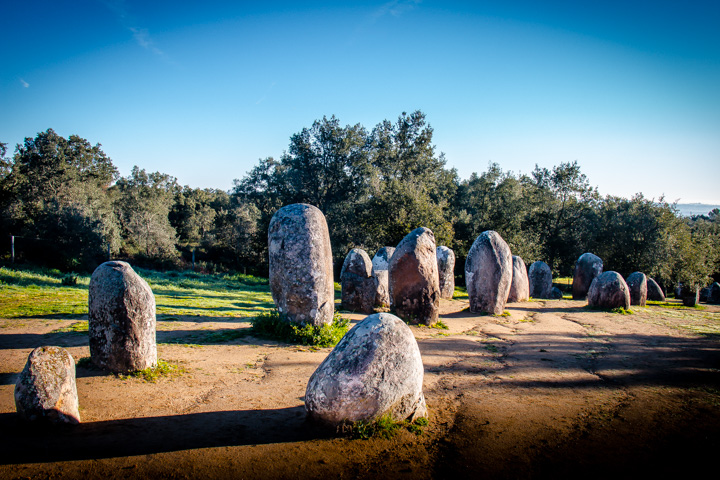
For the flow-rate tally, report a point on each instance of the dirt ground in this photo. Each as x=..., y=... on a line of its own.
x=553, y=390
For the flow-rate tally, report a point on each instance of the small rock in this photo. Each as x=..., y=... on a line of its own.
x=488, y=273
x=520, y=287
x=380, y=263
x=374, y=370
x=609, y=290
x=301, y=268
x=556, y=294
x=587, y=267
x=540, y=278
x=45, y=390
x=413, y=278
x=637, y=283
x=654, y=292
x=121, y=319
x=446, y=271
x=357, y=283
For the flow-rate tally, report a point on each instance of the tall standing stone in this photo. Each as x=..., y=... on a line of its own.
x=376, y=369
x=540, y=278
x=357, y=283
x=654, y=292
x=446, y=271
x=45, y=390
x=413, y=278
x=301, y=268
x=609, y=290
x=121, y=319
x=587, y=267
x=380, y=263
x=520, y=287
x=488, y=273
x=637, y=283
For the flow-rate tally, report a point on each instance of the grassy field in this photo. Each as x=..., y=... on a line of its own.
x=40, y=293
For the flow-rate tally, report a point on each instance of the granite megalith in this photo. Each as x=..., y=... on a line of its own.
x=45, y=391
x=376, y=369
x=446, y=271
x=380, y=263
x=654, y=292
x=488, y=273
x=301, y=267
x=714, y=294
x=413, y=278
x=121, y=319
x=609, y=290
x=637, y=283
x=519, y=287
x=587, y=267
x=540, y=279
x=357, y=283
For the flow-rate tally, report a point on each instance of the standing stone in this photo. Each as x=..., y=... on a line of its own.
x=587, y=267
x=690, y=295
x=357, y=283
x=45, y=390
x=540, y=278
x=121, y=319
x=609, y=290
x=714, y=295
x=654, y=292
x=520, y=287
x=488, y=273
x=301, y=268
x=413, y=278
x=376, y=369
x=637, y=283
x=446, y=271
x=380, y=263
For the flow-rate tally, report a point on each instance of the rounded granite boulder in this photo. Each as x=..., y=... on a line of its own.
x=609, y=290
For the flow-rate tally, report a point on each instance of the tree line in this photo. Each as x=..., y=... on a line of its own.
x=70, y=209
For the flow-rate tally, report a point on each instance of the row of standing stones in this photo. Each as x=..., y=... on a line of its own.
x=376, y=369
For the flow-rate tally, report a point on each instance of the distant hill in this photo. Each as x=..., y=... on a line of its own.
x=690, y=209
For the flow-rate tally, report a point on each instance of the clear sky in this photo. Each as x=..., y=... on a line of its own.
x=202, y=90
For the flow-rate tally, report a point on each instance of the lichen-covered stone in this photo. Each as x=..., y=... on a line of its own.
x=488, y=273
x=540, y=279
x=45, y=390
x=587, y=267
x=357, y=283
x=376, y=369
x=301, y=268
x=380, y=264
x=654, y=292
x=637, y=283
x=519, y=287
x=413, y=278
x=609, y=290
x=446, y=271
x=714, y=293
x=121, y=319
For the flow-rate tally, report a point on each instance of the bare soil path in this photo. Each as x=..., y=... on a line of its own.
x=552, y=390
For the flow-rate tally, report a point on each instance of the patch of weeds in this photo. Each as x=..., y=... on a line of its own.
x=622, y=311
x=69, y=280
x=504, y=314
x=273, y=325
x=77, y=327
x=492, y=348
x=383, y=427
x=440, y=325
x=85, y=362
x=151, y=374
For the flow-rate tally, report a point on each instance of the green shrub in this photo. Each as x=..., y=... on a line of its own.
x=274, y=325
x=69, y=280
x=383, y=427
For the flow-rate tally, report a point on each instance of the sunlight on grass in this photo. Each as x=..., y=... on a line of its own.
x=40, y=293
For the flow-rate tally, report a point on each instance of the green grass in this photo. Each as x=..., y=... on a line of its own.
x=460, y=293
x=272, y=325
x=152, y=374
x=32, y=293
x=383, y=427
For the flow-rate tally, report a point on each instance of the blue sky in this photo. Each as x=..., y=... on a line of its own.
x=202, y=90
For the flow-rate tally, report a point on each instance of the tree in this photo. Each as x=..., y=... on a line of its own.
x=53, y=186
x=143, y=203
